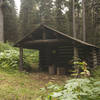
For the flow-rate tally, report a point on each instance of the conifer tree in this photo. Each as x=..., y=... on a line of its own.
x=10, y=21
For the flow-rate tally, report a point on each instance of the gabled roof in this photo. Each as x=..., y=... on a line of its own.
x=58, y=32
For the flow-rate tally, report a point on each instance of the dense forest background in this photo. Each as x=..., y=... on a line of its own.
x=55, y=13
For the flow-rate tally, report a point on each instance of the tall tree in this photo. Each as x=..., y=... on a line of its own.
x=10, y=21
x=59, y=14
x=61, y=19
x=74, y=32
x=78, y=16
x=27, y=16
x=46, y=12
x=96, y=10
x=84, y=26
x=74, y=21
x=1, y=23
x=70, y=17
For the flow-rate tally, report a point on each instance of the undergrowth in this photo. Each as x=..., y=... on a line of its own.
x=74, y=89
x=9, y=58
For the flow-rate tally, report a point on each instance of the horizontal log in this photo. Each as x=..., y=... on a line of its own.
x=44, y=41
x=67, y=54
x=67, y=45
x=69, y=50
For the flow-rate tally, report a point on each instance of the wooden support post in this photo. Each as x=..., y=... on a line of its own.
x=94, y=58
x=75, y=53
x=51, y=70
x=21, y=59
x=76, y=59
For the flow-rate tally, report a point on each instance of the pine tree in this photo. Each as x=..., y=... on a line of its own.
x=60, y=17
x=46, y=11
x=28, y=17
x=10, y=21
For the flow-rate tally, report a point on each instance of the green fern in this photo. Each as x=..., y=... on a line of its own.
x=75, y=89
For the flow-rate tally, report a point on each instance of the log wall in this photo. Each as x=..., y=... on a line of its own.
x=59, y=57
x=85, y=54
x=44, y=58
x=98, y=57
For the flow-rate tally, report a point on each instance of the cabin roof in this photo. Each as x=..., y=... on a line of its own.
x=42, y=27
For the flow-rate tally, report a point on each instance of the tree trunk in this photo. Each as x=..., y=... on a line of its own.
x=74, y=28
x=1, y=24
x=84, y=26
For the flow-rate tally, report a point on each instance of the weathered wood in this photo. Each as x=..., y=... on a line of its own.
x=61, y=71
x=75, y=53
x=51, y=70
x=43, y=41
x=98, y=57
x=45, y=61
x=21, y=59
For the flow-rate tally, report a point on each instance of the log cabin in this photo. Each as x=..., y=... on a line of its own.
x=56, y=50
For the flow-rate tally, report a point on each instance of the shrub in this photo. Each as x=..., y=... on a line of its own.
x=80, y=68
x=75, y=89
x=6, y=46
x=9, y=57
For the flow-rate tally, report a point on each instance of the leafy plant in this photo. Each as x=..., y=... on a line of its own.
x=9, y=57
x=74, y=89
x=6, y=46
x=80, y=68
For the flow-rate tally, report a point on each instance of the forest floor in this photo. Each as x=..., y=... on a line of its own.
x=25, y=86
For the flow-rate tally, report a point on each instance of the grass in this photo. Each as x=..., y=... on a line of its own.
x=24, y=86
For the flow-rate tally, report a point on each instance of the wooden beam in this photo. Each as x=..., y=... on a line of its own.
x=21, y=59
x=75, y=53
x=43, y=41
x=76, y=59
x=51, y=70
